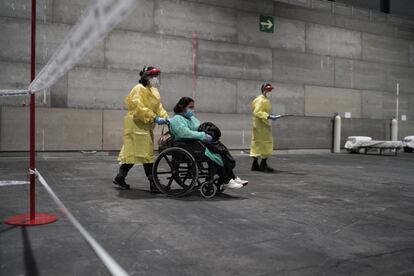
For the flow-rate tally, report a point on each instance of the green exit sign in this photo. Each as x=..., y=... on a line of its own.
x=266, y=23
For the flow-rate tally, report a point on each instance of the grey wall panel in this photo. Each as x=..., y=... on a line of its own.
x=364, y=26
x=97, y=88
x=363, y=14
x=285, y=98
x=390, y=105
x=304, y=14
x=325, y=40
x=69, y=11
x=367, y=4
x=344, y=17
x=215, y=95
x=113, y=129
x=405, y=129
x=378, y=16
x=235, y=128
x=326, y=101
x=14, y=39
x=140, y=19
x=59, y=93
x=302, y=133
x=234, y=61
x=16, y=75
x=303, y=68
x=303, y=3
x=14, y=127
x=372, y=104
x=402, y=75
x=185, y=18
x=288, y=34
x=173, y=87
x=133, y=51
x=259, y=6
x=410, y=107
x=70, y=129
x=15, y=42
x=341, y=9
x=322, y=5
x=412, y=53
x=360, y=75
x=404, y=32
x=385, y=49
x=362, y=127
x=23, y=9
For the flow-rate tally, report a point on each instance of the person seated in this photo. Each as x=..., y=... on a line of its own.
x=184, y=127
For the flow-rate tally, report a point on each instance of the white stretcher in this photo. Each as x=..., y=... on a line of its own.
x=408, y=143
x=355, y=143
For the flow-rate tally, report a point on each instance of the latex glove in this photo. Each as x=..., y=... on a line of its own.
x=208, y=138
x=274, y=117
x=160, y=121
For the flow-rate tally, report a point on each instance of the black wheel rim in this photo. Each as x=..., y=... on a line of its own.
x=175, y=172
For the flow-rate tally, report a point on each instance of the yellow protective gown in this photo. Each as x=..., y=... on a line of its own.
x=262, y=138
x=143, y=105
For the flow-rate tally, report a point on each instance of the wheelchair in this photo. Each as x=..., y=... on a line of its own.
x=183, y=169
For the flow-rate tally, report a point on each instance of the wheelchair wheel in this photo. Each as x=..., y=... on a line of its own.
x=175, y=172
x=219, y=184
x=208, y=190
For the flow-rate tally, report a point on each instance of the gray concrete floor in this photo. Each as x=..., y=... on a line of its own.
x=319, y=214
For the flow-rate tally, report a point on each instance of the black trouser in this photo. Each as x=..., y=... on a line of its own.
x=196, y=148
x=226, y=174
x=124, y=169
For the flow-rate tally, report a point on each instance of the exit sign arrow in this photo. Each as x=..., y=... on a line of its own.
x=266, y=23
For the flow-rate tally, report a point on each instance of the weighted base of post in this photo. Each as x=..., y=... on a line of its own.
x=24, y=220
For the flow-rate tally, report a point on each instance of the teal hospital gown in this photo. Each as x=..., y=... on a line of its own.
x=184, y=128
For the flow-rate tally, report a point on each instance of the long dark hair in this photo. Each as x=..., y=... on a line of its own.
x=182, y=104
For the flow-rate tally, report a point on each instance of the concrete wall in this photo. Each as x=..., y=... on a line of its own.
x=323, y=57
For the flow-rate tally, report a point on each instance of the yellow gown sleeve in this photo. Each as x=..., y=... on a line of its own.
x=138, y=105
x=258, y=109
x=161, y=112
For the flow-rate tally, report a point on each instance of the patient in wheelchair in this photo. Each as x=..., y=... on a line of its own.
x=185, y=128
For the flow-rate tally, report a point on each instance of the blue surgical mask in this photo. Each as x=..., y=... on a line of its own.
x=189, y=113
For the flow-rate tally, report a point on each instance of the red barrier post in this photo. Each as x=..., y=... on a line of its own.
x=32, y=219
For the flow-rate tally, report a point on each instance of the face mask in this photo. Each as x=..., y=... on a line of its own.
x=189, y=113
x=154, y=82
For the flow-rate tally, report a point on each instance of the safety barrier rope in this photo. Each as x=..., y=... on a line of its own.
x=11, y=92
x=12, y=183
x=108, y=261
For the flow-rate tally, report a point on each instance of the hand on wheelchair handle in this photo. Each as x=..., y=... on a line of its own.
x=208, y=138
x=160, y=121
x=274, y=117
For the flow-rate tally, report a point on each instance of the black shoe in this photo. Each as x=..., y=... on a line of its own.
x=265, y=168
x=255, y=166
x=153, y=188
x=120, y=181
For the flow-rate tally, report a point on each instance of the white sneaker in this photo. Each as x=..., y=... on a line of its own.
x=233, y=185
x=241, y=181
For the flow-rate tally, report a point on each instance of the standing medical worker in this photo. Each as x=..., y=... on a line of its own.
x=144, y=111
x=262, y=138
